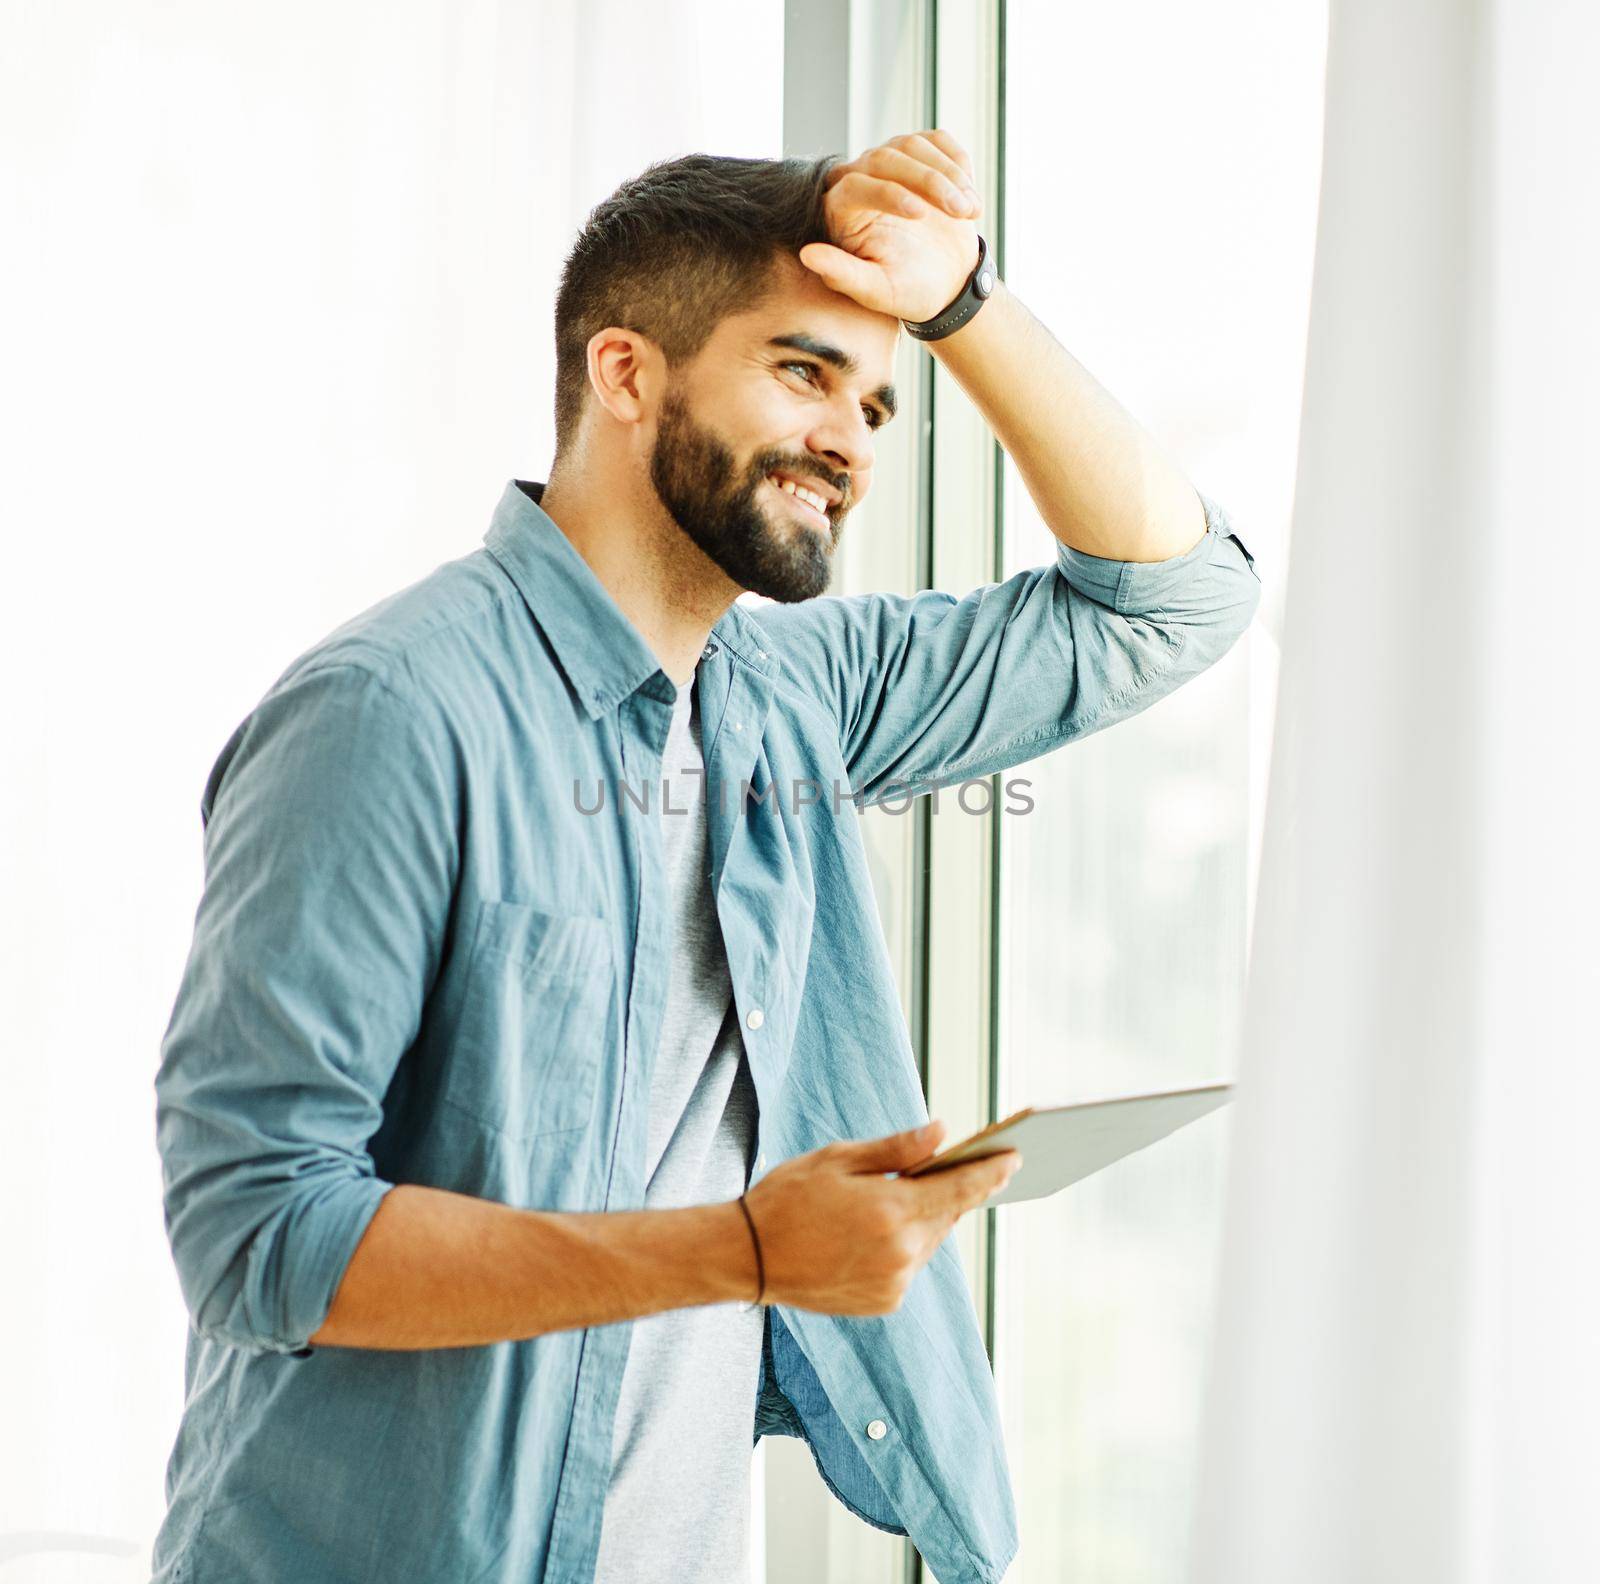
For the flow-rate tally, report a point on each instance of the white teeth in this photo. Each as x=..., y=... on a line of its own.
x=810, y=497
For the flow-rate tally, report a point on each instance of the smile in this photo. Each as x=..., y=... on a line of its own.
x=805, y=502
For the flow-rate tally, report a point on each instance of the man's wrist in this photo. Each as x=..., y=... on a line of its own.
x=975, y=291
x=729, y=1254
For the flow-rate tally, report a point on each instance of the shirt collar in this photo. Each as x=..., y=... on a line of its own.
x=601, y=651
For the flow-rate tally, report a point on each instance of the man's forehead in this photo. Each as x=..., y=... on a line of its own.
x=796, y=295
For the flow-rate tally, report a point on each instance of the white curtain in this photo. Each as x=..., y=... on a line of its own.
x=1407, y=1377
x=276, y=326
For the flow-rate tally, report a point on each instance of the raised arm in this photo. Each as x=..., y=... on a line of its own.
x=1101, y=483
x=905, y=218
x=930, y=689
x=1149, y=584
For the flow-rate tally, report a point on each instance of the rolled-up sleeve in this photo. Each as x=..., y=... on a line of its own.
x=929, y=689
x=330, y=863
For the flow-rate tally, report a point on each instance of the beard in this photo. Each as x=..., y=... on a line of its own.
x=723, y=511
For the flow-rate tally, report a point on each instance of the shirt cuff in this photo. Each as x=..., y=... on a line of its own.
x=1135, y=588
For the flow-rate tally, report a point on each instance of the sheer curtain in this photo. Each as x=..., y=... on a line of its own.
x=275, y=307
x=1407, y=1377
x=1123, y=895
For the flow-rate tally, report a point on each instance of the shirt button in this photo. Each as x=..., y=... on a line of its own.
x=877, y=1429
x=708, y=651
x=756, y=1018
x=761, y=1161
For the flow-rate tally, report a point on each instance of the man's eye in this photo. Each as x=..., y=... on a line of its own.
x=875, y=419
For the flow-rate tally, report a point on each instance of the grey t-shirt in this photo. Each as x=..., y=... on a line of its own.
x=678, y=1506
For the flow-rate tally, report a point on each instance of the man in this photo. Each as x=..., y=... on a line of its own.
x=480, y=1044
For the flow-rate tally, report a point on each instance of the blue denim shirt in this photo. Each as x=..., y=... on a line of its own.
x=417, y=958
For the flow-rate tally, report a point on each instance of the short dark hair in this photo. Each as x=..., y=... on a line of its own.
x=676, y=249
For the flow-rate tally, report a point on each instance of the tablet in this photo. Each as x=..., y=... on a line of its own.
x=1061, y=1144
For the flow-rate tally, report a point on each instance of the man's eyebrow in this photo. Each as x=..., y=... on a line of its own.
x=840, y=359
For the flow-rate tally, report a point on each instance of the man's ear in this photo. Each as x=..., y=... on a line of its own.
x=627, y=373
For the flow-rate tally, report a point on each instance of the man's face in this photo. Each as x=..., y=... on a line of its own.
x=747, y=410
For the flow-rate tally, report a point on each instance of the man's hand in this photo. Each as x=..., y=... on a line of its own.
x=902, y=219
x=841, y=1237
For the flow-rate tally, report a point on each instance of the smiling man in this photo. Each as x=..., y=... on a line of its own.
x=525, y=1162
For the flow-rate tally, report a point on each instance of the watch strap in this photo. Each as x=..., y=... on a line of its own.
x=980, y=284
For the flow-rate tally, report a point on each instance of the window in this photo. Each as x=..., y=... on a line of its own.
x=1150, y=178
x=1161, y=164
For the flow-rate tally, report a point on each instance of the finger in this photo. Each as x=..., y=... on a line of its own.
x=931, y=185
x=927, y=171
x=881, y=194
x=837, y=171
x=958, y=1189
x=950, y=146
x=844, y=272
x=895, y=1152
x=927, y=147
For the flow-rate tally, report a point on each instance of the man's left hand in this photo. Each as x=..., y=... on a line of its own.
x=903, y=224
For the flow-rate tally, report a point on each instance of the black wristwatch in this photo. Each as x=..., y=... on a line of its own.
x=980, y=283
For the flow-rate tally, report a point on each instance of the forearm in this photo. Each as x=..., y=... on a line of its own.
x=1100, y=482
x=439, y=1269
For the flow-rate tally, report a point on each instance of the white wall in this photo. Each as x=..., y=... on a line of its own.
x=275, y=324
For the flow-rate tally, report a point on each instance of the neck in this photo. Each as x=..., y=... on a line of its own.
x=661, y=580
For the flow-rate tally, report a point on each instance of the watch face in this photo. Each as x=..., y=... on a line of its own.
x=983, y=275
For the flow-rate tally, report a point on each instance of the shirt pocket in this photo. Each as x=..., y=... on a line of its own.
x=535, y=1021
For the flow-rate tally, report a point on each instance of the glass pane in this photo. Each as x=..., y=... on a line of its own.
x=1161, y=185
